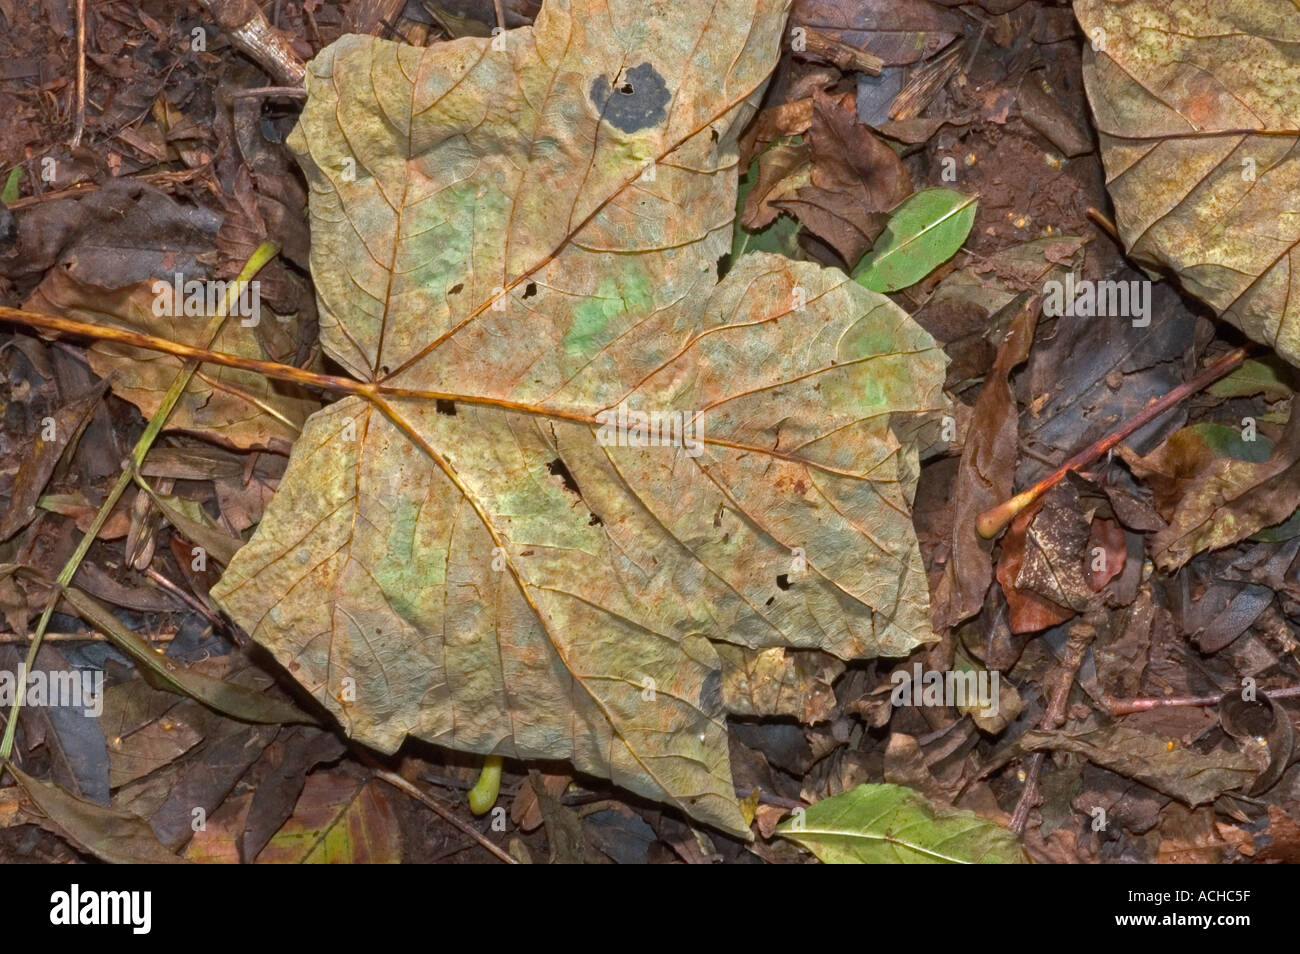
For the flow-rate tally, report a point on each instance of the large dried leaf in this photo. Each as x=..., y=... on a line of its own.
x=485, y=572
x=1198, y=110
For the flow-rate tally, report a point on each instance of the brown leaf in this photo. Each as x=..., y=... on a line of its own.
x=984, y=478
x=856, y=178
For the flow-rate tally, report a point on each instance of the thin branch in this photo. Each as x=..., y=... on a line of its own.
x=992, y=522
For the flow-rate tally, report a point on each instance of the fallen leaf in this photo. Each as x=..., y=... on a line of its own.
x=890, y=824
x=1166, y=766
x=495, y=572
x=1197, y=111
x=338, y=820
x=239, y=408
x=923, y=233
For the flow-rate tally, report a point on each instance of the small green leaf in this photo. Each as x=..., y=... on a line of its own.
x=10, y=193
x=890, y=824
x=1270, y=377
x=923, y=233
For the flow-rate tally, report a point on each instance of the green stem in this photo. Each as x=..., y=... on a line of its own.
x=261, y=255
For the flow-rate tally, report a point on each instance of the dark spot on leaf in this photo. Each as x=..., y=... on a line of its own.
x=383, y=369
x=455, y=289
x=713, y=134
x=639, y=103
x=444, y=406
x=783, y=581
x=557, y=468
x=770, y=601
x=724, y=263
x=711, y=694
x=595, y=521
x=530, y=289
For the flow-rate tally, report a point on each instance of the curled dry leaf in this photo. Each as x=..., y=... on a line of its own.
x=535, y=229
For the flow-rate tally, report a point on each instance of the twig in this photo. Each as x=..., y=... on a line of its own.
x=395, y=780
x=92, y=636
x=992, y=522
x=85, y=188
x=80, y=126
x=252, y=35
x=1121, y=707
x=270, y=92
x=1081, y=635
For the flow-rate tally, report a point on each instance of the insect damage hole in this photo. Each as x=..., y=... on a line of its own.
x=444, y=406
x=530, y=289
x=783, y=581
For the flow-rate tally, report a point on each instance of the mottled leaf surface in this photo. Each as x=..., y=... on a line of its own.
x=533, y=232
x=1197, y=106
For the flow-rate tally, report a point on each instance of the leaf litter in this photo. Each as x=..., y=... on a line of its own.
x=720, y=623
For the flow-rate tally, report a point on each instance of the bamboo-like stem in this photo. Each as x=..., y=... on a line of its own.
x=992, y=522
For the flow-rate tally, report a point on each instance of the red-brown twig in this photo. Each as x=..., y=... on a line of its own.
x=424, y=798
x=1121, y=707
x=992, y=522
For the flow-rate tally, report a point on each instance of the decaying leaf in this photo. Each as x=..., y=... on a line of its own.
x=1198, y=112
x=890, y=824
x=338, y=820
x=1166, y=766
x=239, y=408
x=530, y=233
x=777, y=681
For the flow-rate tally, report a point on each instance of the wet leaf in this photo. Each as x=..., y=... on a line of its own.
x=237, y=701
x=1166, y=766
x=501, y=572
x=890, y=824
x=923, y=233
x=338, y=820
x=1197, y=110
x=110, y=835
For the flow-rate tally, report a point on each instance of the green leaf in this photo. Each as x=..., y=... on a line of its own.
x=337, y=820
x=1268, y=376
x=923, y=233
x=10, y=193
x=890, y=824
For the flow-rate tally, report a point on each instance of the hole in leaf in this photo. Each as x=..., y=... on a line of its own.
x=557, y=468
x=783, y=581
x=444, y=406
x=595, y=521
x=626, y=89
x=770, y=601
x=456, y=288
x=530, y=289
x=713, y=135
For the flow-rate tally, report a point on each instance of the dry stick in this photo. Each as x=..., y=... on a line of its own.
x=1081, y=635
x=992, y=522
x=1122, y=707
x=395, y=780
x=80, y=126
x=261, y=255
